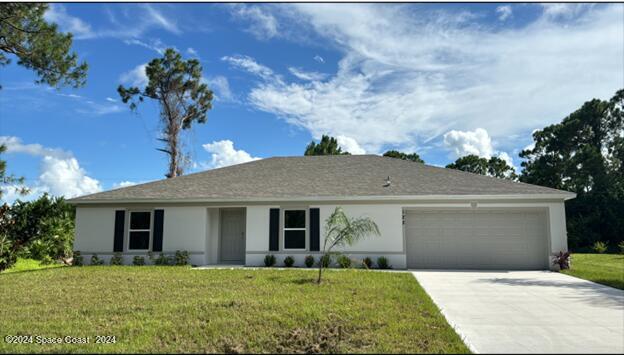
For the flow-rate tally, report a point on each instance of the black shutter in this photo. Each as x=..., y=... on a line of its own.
x=274, y=229
x=120, y=215
x=159, y=218
x=315, y=230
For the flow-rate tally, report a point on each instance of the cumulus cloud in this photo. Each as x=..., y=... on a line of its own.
x=408, y=75
x=224, y=154
x=135, y=77
x=192, y=52
x=60, y=172
x=504, y=12
x=477, y=142
x=350, y=145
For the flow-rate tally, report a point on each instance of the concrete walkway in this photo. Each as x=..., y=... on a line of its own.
x=528, y=311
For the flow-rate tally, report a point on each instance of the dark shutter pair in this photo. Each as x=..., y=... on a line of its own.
x=314, y=224
x=120, y=215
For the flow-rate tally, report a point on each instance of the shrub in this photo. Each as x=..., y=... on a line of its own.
x=78, y=259
x=7, y=256
x=138, y=261
x=269, y=260
x=325, y=260
x=116, y=259
x=181, y=257
x=562, y=259
x=621, y=246
x=309, y=261
x=599, y=247
x=289, y=261
x=382, y=263
x=344, y=261
x=367, y=263
x=95, y=260
x=162, y=259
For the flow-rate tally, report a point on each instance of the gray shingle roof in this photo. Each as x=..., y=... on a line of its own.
x=319, y=177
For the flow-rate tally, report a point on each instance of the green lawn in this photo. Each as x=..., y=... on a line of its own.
x=606, y=269
x=177, y=309
x=30, y=264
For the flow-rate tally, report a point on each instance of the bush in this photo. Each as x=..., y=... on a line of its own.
x=117, y=259
x=138, y=261
x=344, y=261
x=269, y=260
x=181, y=257
x=382, y=263
x=95, y=260
x=162, y=259
x=78, y=259
x=7, y=256
x=325, y=260
x=309, y=261
x=289, y=261
x=562, y=259
x=367, y=263
x=621, y=246
x=599, y=247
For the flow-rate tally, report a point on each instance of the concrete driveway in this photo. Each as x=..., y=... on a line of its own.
x=528, y=311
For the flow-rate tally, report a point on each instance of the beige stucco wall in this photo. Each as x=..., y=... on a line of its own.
x=94, y=229
x=184, y=229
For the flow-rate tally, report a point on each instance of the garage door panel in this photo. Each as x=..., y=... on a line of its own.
x=476, y=239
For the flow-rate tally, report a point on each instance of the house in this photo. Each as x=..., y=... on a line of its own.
x=429, y=217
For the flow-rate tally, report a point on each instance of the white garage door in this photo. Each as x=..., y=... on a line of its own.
x=493, y=239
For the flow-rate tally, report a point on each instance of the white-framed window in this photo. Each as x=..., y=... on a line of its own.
x=140, y=230
x=295, y=229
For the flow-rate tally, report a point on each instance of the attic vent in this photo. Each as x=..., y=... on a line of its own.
x=388, y=182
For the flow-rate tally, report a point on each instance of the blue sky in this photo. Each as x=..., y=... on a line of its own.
x=443, y=80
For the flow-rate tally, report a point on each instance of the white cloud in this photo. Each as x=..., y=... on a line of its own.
x=477, y=142
x=319, y=59
x=504, y=12
x=350, y=145
x=154, y=44
x=262, y=24
x=409, y=75
x=224, y=154
x=110, y=99
x=250, y=65
x=192, y=52
x=221, y=86
x=305, y=75
x=157, y=18
x=135, y=77
x=60, y=172
x=121, y=184
x=56, y=13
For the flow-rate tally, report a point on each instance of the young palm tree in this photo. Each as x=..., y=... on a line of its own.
x=341, y=230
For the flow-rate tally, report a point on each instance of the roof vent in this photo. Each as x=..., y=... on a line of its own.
x=388, y=182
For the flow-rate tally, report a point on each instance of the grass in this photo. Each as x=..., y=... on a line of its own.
x=606, y=269
x=176, y=309
x=30, y=264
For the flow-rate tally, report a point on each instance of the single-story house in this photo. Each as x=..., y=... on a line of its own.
x=429, y=217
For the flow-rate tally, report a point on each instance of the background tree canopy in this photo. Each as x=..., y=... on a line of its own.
x=327, y=146
x=404, y=156
x=584, y=154
x=494, y=166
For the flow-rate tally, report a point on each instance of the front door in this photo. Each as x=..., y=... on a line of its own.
x=232, y=235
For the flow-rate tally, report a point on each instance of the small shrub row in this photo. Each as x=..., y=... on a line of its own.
x=343, y=261
x=181, y=257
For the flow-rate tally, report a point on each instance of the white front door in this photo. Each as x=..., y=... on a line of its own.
x=232, y=235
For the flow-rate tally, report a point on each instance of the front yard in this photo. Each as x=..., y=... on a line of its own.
x=606, y=269
x=176, y=309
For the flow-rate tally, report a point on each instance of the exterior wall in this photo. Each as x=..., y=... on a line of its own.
x=184, y=229
x=388, y=218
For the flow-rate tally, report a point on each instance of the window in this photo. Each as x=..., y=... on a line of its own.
x=295, y=229
x=139, y=231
